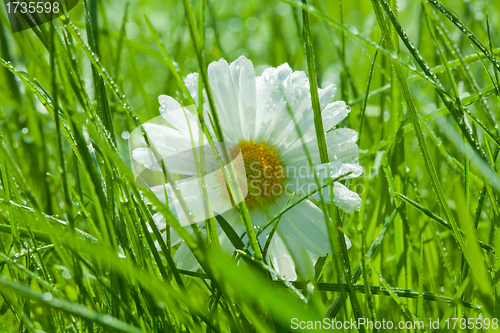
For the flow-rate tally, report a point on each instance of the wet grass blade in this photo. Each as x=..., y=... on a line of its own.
x=68, y=307
x=428, y=160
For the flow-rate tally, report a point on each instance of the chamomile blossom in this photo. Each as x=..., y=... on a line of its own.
x=270, y=120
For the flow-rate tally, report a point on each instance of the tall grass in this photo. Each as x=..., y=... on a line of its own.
x=80, y=250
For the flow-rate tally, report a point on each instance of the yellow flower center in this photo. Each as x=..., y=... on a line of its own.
x=264, y=172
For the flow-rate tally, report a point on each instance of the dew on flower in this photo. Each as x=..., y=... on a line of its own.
x=261, y=124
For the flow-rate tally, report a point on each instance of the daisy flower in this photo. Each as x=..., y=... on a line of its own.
x=269, y=119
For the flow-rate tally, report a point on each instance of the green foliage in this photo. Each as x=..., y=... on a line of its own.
x=79, y=248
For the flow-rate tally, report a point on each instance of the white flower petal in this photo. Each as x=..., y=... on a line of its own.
x=306, y=123
x=192, y=196
x=168, y=104
x=146, y=157
x=184, y=121
x=191, y=82
x=347, y=242
x=173, y=146
x=296, y=155
x=342, y=145
x=344, y=198
x=323, y=172
x=243, y=75
x=302, y=258
x=168, y=141
x=305, y=223
x=233, y=219
x=233, y=89
x=277, y=90
x=258, y=217
x=160, y=221
x=286, y=97
x=281, y=259
x=326, y=95
x=301, y=182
